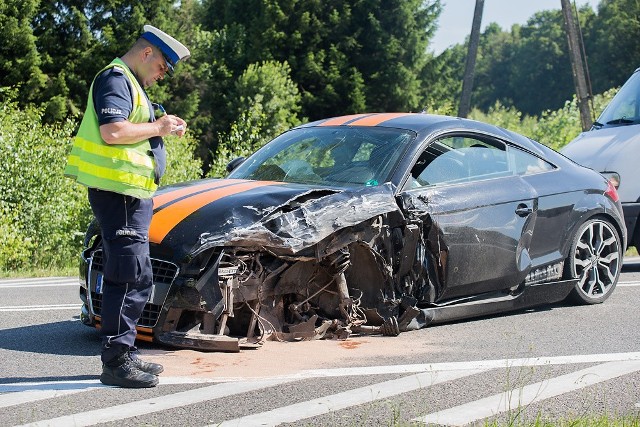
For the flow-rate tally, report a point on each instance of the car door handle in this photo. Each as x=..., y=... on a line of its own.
x=523, y=210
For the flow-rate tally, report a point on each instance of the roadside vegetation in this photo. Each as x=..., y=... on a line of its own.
x=602, y=421
x=253, y=74
x=43, y=215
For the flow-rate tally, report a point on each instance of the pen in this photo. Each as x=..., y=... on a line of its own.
x=160, y=108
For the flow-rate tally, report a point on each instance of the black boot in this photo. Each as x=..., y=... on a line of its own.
x=148, y=367
x=123, y=372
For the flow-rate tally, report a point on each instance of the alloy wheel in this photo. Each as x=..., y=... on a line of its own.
x=596, y=260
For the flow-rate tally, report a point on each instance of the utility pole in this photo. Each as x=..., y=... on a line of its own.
x=578, y=65
x=469, y=70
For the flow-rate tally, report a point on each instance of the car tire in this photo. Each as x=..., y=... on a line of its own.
x=595, y=260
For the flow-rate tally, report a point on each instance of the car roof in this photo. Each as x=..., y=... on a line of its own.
x=422, y=123
x=412, y=121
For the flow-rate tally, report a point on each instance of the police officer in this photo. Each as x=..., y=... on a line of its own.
x=119, y=155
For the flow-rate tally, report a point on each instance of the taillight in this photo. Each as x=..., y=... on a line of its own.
x=611, y=191
x=612, y=177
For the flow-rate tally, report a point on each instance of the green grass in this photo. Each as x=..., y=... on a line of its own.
x=53, y=272
x=586, y=421
x=541, y=421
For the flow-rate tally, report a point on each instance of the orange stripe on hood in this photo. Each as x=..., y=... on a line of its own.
x=376, y=119
x=342, y=120
x=162, y=199
x=165, y=220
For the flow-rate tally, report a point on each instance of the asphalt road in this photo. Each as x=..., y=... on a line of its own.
x=553, y=362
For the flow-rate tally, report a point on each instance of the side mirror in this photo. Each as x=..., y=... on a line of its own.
x=234, y=163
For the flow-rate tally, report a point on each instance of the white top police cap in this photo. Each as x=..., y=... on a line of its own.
x=172, y=50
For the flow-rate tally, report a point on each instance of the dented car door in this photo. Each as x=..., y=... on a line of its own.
x=477, y=216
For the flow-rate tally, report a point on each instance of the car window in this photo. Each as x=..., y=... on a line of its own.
x=624, y=108
x=524, y=163
x=458, y=159
x=337, y=156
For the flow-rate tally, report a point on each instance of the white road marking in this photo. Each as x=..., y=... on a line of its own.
x=479, y=364
x=41, y=285
x=347, y=399
x=14, y=390
x=39, y=282
x=628, y=284
x=162, y=403
x=517, y=398
x=19, y=393
x=41, y=307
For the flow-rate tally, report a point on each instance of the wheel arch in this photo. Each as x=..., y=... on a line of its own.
x=590, y=207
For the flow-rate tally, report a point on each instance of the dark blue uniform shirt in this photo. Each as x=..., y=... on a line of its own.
x=113, y=101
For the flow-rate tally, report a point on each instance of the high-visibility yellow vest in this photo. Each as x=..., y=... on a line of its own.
x=126, y=169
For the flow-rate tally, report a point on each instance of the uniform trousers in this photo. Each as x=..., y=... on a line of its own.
x=127, y=273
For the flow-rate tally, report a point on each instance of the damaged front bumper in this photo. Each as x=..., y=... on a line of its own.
x=245, y=298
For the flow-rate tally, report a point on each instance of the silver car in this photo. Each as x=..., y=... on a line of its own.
x=612, y=147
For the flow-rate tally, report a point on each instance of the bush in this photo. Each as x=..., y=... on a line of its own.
x=43, y=214
x=266, y=103
x=554, y=129
x=247, y=134
x=181, y=163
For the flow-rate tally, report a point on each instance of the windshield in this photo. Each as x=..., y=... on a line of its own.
x=335, y=156
x=624, y=108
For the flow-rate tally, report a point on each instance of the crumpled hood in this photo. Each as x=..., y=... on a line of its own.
x=256, y=214
x=614, y=149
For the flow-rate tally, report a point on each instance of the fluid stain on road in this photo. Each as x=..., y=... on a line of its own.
x=350, y=345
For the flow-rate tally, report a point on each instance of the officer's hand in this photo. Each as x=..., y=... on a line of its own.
x=181, y=127
x=171, y=124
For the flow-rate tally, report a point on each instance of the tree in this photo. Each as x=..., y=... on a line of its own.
x=79, y=37
x=394, y=36
x=266, y=103
x=541, y=68
x=19, y=58
x=528, y=68
x=267, y=88
x=345, y=56
x=495, y=59
x=612, y=43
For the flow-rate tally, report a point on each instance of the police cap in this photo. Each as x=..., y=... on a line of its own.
x=172, y=50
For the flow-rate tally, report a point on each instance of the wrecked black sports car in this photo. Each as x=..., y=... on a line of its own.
x=371, y=224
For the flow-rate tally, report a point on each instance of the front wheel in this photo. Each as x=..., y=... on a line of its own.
x=595, y=260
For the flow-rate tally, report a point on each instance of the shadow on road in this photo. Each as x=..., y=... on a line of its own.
x=55, y=383
x=68, y=338
x=631, y=265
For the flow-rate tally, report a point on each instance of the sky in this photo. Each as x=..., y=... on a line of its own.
x=456, y=17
